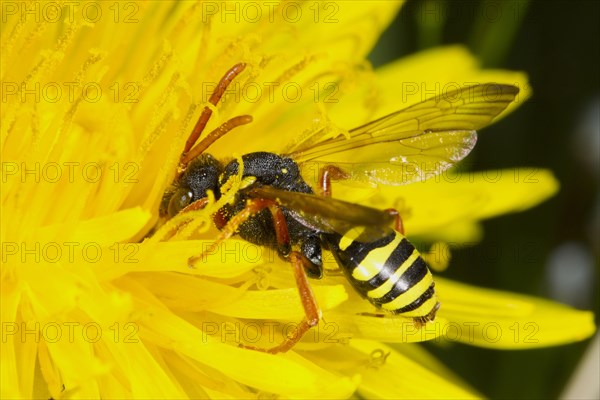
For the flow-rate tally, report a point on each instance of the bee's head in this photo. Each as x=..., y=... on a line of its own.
x=201, y=175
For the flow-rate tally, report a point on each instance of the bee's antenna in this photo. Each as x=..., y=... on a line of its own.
x=215, y=97
x=214, y=135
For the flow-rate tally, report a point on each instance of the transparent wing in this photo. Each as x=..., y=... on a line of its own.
x=412, y=144
x=330, y=215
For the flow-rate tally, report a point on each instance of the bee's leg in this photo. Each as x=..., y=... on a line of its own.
x=196, y=205
x=311, y=248
x=253, y=206
x=309, y=303
x=399, y=224
x=300, y=264
x=298, y=260
x=328, y=173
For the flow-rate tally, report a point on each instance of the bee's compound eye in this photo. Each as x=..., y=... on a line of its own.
x=180, y=199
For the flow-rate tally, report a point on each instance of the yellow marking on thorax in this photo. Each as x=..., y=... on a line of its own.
x=374, y=261
x=350, y=236
x=389, y=284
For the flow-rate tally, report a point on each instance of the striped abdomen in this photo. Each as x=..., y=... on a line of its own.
x=389, y=272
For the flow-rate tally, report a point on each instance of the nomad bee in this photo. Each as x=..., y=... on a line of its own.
x=280, y=210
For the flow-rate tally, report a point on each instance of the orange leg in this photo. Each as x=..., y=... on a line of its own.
x=252, y=207
x=309, y=303
x=312, y=313
x=298, y=260
x=399, y=224
x=196, y=205
x=328, y=173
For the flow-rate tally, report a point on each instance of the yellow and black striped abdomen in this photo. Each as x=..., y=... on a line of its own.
x=389, y=272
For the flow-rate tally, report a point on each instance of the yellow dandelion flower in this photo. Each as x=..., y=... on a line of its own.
x=98, y=99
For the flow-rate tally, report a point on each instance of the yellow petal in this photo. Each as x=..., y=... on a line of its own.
x=416, y=78
x=490, y=318
x=280, y=304
x=460, y=232
x=400, y=377
x=391, y=329
x=117, y=227
x=419, y=76
x=352, y=28
x=232, y=258
x=16, y=374
x=284, y=374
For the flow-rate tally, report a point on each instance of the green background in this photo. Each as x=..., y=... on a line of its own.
x=556, y=43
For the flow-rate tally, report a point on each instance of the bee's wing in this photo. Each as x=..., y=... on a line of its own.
x=330, y=215
x=411, y=144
